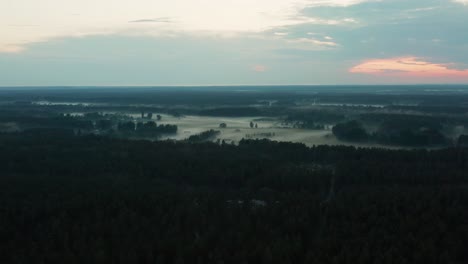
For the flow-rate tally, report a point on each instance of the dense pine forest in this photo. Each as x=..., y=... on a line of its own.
x=234, y=132
x=68, y=198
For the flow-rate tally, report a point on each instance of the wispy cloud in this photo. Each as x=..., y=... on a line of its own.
x=408, y=67
x=315, y=42
x=11, y=49
x=422, y=9
x=24, y=25
x=219, y=16
x=153, y=20
x=280, y=33
x=338, y=3
x=464, y=2
x=259, y=68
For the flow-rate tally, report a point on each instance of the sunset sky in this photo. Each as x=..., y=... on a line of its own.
x=227, y=42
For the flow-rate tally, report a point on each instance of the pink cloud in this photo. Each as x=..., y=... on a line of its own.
x=259, y=68
x=408, y=67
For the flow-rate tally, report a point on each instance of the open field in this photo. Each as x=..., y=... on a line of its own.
x=387, y=117
x=239, y=128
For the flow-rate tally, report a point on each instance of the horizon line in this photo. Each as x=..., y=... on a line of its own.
x=224, y=85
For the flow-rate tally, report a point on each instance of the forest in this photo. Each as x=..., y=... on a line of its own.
x=95, y=199
x=200, y=175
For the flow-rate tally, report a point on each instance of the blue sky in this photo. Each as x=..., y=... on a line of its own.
x=221, y=42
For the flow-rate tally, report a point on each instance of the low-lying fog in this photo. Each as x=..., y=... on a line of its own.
x=239, y=127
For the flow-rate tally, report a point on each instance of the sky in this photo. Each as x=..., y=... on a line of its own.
x=232, y=42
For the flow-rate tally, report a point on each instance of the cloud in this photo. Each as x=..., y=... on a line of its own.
x=219, y=16
x=327, y=43
x=28, y=25
x=463, y=2
x=337, y=3
x=11, y=49
x=259, y=68
x=408, y=67
x=422, y=9
x=153, y=20
x=316, y=39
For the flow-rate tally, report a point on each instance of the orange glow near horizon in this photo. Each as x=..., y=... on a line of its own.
x=408, y=67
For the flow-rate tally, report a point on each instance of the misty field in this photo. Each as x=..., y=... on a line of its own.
x=239, y=128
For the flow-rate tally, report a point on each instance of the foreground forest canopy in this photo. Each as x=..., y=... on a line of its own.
x=95, y=199
x=373, y=174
